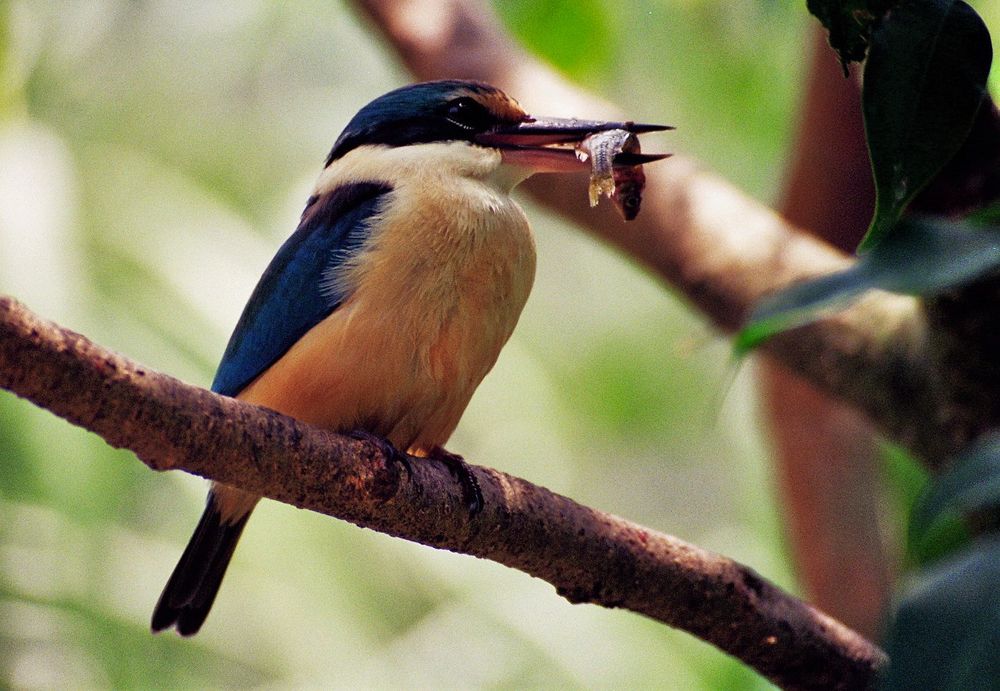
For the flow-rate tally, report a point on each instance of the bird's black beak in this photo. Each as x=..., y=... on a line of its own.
x=549, y=144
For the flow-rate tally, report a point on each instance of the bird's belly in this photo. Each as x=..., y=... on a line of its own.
x=404, y=354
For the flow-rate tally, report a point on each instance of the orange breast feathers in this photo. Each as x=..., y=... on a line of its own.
x=434, y=296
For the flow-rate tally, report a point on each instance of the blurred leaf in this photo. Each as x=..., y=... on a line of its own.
x=19, y=479
x=946, y=632
x=925, y=78
x=850, y=24
x=906, y=477
x=944, y=538
x=690, y=69
x=988, y=216
x=923, y=257
x=629, y=389
x=906, y=481
x=574, y=35
x=970, y=485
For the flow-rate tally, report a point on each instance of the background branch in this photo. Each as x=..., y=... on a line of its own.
x=825, y=454
x=721, y=249
x=588, y=555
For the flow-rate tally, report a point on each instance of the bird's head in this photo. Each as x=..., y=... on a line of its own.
x=480, y=115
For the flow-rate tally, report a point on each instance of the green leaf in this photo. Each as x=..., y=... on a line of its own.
x=926, y=256
x=943, y=538
x=906, y=481
x=987, y=216
x=970, y=485
x=800, y=304
x=946, y=632
x=924, y=81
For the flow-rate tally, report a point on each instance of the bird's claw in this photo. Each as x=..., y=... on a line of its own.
x=387, y=448
x=472, y=494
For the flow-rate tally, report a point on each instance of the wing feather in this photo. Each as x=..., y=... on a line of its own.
x=295, y=292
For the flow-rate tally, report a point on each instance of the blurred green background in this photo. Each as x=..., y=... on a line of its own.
x=153, y=155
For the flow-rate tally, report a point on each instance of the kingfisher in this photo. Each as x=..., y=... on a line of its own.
x=383, y=311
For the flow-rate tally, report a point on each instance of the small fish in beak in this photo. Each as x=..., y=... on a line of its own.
x=566, y=145
x=611, y=174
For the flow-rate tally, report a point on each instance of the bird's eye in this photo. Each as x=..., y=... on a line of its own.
x=469, y=114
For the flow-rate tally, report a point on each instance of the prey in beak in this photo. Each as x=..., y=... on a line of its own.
x=609, y=150
x=548, y=145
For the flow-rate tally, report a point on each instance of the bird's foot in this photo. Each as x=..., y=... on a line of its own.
x=387, y=448
x=459, y=469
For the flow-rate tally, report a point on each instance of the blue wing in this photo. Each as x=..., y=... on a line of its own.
x=295, y=294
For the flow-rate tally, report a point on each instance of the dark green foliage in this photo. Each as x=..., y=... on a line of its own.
x=925, y=79
x=971, y=486
x=946, y=629
x=906, y=481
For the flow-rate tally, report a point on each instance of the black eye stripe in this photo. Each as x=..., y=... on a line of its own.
x=424, y=113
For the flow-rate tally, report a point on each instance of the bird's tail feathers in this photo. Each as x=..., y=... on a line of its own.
x=191, y=590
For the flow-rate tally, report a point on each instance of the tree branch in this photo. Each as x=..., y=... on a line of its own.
x=589, y=556
x=721, y=249
x=826, y=456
